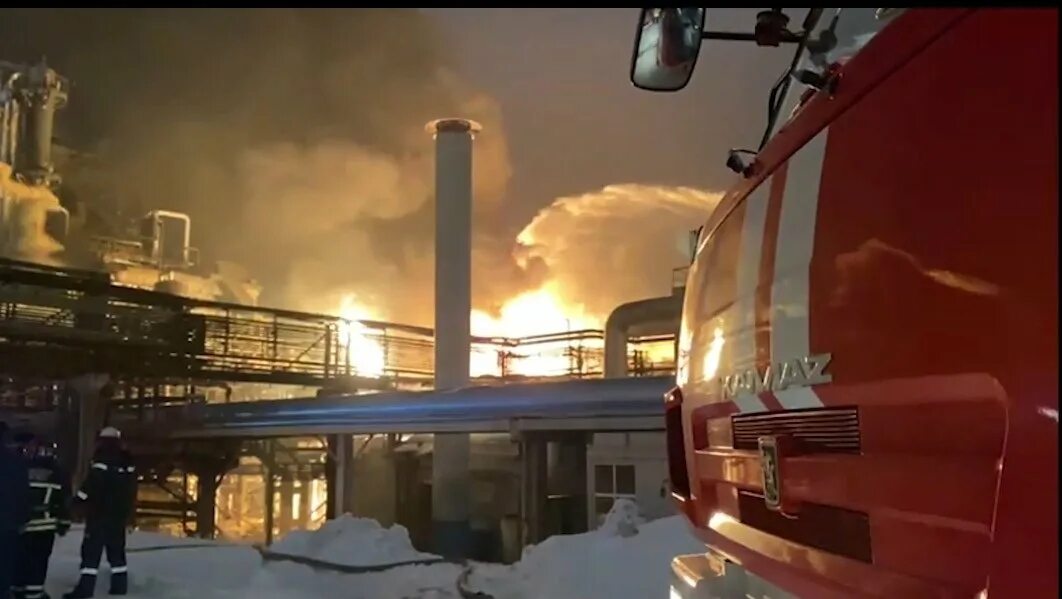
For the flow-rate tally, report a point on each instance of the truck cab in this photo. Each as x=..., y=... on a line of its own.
x=867, y=393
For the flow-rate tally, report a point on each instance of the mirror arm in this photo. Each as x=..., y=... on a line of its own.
x=787, y=37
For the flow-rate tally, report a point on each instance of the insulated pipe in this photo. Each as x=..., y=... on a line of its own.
x=451, y=481
x=659, y=315
x=592, y=400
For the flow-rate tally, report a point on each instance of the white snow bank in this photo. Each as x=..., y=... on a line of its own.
x=190, y=573
x=624, y=558
x=351, y=541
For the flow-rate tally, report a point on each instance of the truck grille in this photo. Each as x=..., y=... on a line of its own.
x=831, y=430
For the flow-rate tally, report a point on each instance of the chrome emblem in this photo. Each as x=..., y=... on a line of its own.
x=772, y=482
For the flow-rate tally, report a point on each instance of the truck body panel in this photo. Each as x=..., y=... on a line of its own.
x=877, y=302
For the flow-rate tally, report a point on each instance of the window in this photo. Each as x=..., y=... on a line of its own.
x=611, y=482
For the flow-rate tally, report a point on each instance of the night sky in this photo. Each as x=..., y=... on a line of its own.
x=294, y=139
x=561, y=77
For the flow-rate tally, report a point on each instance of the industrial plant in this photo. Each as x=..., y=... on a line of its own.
x=248, y=422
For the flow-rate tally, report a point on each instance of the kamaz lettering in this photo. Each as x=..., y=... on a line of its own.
x=799, y=372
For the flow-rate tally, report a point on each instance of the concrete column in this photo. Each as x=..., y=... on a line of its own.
x=533, y=488
x=305, y=500
x=285, y=518
x=269, y=482
x=453, y=303
x=340, y=475
x=206, y=504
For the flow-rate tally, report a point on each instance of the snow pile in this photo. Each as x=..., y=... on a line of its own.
x=625, y=557
x=351, y=541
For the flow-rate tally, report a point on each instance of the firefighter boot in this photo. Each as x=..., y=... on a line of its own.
x=119, y=583
x=85, y=588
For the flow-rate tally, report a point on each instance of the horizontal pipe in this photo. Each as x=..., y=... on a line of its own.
x=488, y=408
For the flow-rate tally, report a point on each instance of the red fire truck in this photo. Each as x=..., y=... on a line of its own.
x=867, y=397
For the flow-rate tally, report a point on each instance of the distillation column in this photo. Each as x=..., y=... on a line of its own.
x=453, y=302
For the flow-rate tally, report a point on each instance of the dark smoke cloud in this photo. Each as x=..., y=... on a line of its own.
x=293, y=138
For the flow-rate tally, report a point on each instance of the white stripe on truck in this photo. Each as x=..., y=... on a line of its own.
x=790, y=328
x=748, y=278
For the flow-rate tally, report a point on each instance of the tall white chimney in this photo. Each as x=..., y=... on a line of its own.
x=451, y=482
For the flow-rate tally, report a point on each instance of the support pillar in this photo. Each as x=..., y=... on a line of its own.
x=206, y=504
x=305, y=500
x=269, y=494
x=533, y=488
x=340, y=475
x=451, y=482
x=287, y=491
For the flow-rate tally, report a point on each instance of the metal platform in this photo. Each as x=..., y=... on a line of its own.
x=56, y=323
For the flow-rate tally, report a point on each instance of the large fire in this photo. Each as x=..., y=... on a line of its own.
x=366, y=351
x=531, y=313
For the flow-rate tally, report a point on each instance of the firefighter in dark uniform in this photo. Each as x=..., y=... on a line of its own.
x=106, y=498
x=14, y=509
x=49, y=516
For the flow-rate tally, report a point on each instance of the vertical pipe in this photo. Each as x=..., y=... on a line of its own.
x=453, y=303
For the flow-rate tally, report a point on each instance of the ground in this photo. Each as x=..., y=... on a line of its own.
x=625, y=558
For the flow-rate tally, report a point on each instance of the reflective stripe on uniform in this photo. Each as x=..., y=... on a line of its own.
x=99, y=466
x=90, y=571
x=82, y=495
x=119, y=569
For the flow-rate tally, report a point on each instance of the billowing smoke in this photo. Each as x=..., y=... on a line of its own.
x=23, y=213
x=615, y=245
x=294, y=138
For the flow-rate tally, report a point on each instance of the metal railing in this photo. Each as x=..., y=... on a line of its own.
x=137, y=333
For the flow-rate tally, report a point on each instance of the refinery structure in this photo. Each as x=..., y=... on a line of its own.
x=249, y=421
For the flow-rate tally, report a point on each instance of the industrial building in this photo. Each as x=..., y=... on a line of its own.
x=248, y=422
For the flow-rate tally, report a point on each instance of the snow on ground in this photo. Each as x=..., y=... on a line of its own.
x=625, y=558
x=353, y=542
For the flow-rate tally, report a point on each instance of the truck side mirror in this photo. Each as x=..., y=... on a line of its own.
x=666, y=47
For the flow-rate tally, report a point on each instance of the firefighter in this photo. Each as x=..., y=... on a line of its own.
x=14, y=509
x=106, y=498
x=49, y=516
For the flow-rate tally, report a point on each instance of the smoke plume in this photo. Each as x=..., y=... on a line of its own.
x=615, y=245
x=293, y=138
x=295, y=141
x=23, y=213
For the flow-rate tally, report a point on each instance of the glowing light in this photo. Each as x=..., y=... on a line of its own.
x=366, y=352
x=715, y=352
x=537, y=312
x=719, y=520
x=530, y=313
